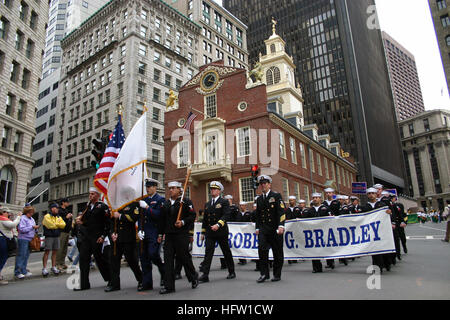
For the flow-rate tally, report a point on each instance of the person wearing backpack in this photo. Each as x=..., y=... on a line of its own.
x=6, y=235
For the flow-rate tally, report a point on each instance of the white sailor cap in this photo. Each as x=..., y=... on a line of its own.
x=292, y=198
x=264, y=178
x=316, y=194
x=378, y=186
x=344, y=197
x=93, y=189
x=354, y=198
x=242, y=203
x=338, y=197
x=256, y=198
x=175, y=184
x=301, y=201
x=216, y=185
x=329, y=190
x=385, y=193
x=371, y=190
x=228, y=196
x=151, y=182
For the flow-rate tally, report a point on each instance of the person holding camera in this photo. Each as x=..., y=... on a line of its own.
x=6, y=235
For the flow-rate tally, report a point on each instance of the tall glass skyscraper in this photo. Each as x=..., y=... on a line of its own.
x=341, y=67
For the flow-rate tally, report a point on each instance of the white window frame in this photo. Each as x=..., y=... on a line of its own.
x=239, y=143
x=293, y=150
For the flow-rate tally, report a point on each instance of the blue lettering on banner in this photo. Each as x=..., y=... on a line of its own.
x=236, y=237
x=331, y=238
x=255, y=241
x=200, y=242
x=365, y=233
x=339, y=237
x=289, y=242
x=353, y=237
x=247, y=240
x=309, y=242
x=347, y=237
x=230, y=237
x=319, y=236
x=375, y=226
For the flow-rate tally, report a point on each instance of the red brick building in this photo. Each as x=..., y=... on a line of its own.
x=228, y=136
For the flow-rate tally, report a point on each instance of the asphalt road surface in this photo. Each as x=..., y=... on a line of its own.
x=421, y=275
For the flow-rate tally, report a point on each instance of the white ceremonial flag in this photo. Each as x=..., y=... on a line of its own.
x=126, y=181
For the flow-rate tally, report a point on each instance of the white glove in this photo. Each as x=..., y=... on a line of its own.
x=141, y=235
x=143, y=204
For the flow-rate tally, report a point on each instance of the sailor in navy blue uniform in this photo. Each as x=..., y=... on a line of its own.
x=148, y=234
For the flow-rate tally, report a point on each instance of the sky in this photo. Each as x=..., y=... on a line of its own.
x=410, y=23
x=413, y=28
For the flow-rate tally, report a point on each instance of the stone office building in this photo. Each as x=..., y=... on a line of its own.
x=22, y=38
x=426, y=149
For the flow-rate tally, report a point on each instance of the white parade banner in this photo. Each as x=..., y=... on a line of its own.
x=344, y=236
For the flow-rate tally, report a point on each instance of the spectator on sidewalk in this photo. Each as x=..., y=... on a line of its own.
x=74, y=252
x=53, y=224
x=27, y=229
x=447, y=232
x=6, y=232
x=64, y=236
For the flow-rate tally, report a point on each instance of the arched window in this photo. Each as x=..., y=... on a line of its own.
x=273, y=76
x=6, y=185
x=272, y=48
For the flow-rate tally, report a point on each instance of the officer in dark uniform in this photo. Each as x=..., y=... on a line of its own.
x=176, y=236
x=355, y=206
x=243, y=216
x=334, y=207
x=318, y=210
x=301, y=207
x=125, y=242
x=215, y=231
x=94, y=226
x=403, y=221
x=270, y=218
x=292, y=212
x=148, y=234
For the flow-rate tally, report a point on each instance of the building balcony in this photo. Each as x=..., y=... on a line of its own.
x=218, y=169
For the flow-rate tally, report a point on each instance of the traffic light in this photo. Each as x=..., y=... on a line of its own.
x=255, y=173
x=97, y=151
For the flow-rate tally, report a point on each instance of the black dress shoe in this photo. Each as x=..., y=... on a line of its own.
x=399, y=257
x=111, y=289
x=231, y=276
x=144, y=288
x=178, y=277
x=316, y=271
x=276, y=279
x=262, y=279
x=80, y=289
x=203, y=278
x=195, y=283
x=166, y=291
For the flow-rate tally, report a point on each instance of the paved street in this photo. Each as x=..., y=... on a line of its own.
x=422, y=274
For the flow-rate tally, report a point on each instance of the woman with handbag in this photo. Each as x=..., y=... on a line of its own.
x=27, y=231
x=6, y=237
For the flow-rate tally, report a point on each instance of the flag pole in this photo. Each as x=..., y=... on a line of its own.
x=115, y=220
x=141, y=210
x=184, y=191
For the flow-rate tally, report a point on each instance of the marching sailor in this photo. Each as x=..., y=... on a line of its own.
x=270, y=218
x=215, y=231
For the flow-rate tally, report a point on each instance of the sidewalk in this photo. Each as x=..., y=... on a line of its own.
x=34, y=267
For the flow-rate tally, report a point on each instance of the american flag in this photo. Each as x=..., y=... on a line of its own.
x=109, y=158
x=190, y=118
